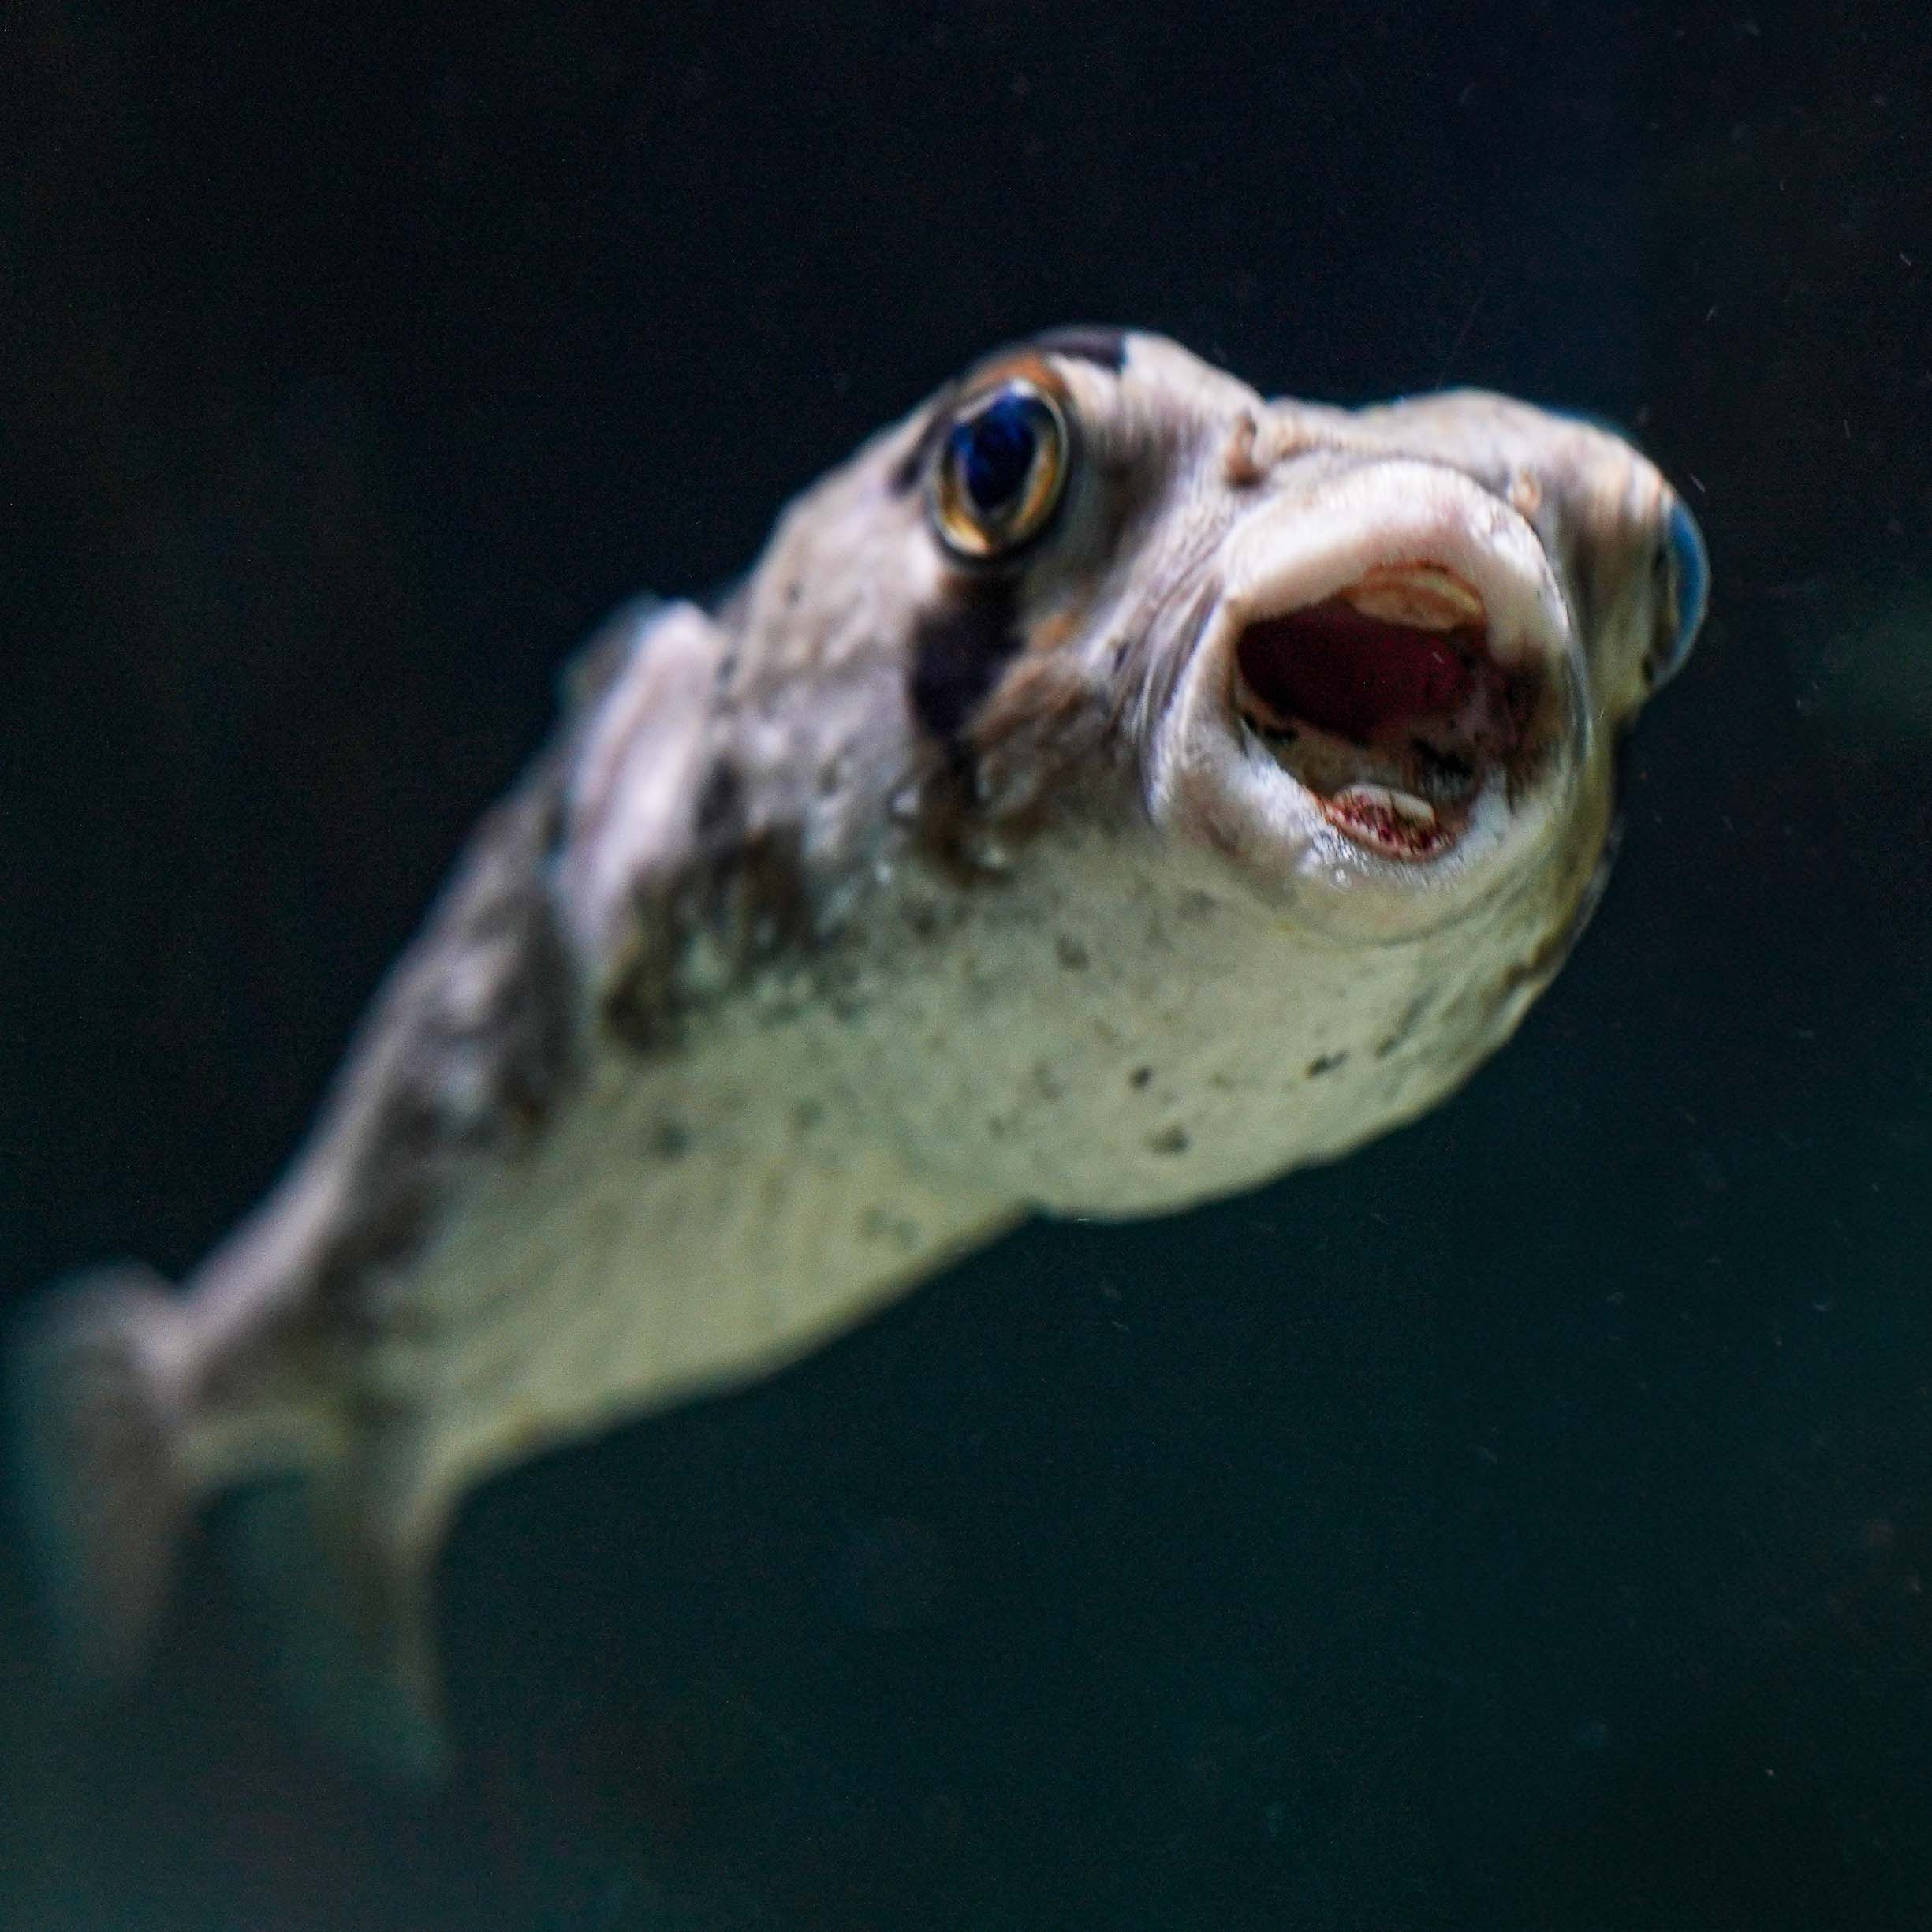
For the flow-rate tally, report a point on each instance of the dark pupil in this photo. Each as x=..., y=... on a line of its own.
x=996, y=452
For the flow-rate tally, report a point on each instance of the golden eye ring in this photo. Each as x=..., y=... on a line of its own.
x=1001, y=471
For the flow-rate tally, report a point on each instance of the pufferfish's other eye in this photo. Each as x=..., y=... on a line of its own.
x=1001, y=472
x=1683, y=567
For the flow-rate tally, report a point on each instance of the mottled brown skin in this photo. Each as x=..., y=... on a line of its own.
x=841, y=927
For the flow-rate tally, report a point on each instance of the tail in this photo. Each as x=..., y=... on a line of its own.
x=97, y=1378
x=99, y=1396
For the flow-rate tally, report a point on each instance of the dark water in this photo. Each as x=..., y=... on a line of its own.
x=1528, y=1524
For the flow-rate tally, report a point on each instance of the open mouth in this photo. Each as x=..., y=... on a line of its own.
x=1386, y=702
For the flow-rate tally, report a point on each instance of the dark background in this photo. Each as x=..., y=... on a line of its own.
x=1526, y=1524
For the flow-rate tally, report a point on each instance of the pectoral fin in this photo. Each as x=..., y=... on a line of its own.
x=340, y=1568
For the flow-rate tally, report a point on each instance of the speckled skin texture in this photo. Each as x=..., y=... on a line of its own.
x=839, y=928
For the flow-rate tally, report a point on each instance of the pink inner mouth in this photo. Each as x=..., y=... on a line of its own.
x=1335, y=668
x=1384, y=703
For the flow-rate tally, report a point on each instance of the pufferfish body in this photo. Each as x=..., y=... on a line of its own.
x=1109, y=790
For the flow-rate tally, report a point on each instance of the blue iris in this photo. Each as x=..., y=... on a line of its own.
x=995, y=451
x=1690, y=570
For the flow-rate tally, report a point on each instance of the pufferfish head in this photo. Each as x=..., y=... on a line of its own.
x=1377, y=660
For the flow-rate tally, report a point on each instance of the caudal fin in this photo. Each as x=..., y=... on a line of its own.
x=96, y=1375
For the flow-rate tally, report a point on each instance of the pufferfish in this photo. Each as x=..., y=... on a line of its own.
x=1109, y=790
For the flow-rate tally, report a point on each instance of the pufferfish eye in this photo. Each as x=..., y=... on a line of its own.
x=1685, y=567
x=1001, y=472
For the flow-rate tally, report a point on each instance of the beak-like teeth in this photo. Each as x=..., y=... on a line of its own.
x=1424, y=597
x=1404, y=806
x=1393, y=823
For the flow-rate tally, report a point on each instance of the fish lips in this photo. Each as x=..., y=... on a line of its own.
x=1385, y=715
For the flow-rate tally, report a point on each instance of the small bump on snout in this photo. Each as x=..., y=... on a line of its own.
x=1238, y=462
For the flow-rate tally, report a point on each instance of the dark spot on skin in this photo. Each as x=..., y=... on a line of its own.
x=764, y=901
x=911, y=469
x=744, y=898
x=670, y=1140
x=1106, y=348
x=848, y=1009
x=1140, y=1079
x=522, y=1048
x=1325, y=1063
x=1169, y=1140
x=960, y=649
x=720, y=811
x=1070, y=953
x=638, y=1009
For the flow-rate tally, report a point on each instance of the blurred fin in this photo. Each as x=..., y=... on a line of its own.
x=343, y=1595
